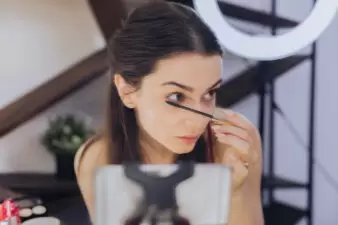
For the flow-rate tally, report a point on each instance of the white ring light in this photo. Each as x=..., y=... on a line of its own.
x=268, y=48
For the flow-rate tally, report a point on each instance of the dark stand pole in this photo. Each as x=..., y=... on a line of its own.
x=312, y=131
x=271, y=90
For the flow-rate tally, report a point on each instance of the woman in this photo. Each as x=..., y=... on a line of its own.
x=164, y=52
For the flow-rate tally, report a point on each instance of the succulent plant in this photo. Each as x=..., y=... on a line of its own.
x=66, y=134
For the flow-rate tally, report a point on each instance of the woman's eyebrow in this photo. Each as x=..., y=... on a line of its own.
x=185, y=87
x=188, y=88
x=215, y=84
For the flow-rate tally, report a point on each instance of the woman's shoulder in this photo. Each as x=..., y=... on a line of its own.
x=91, y=154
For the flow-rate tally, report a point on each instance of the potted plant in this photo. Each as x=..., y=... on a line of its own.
x=63, y=138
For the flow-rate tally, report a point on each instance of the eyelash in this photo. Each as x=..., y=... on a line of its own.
x=212, y=93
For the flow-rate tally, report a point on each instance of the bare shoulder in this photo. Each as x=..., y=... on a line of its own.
x=88, y=158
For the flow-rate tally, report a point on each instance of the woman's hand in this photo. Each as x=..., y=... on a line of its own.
x=238, y=144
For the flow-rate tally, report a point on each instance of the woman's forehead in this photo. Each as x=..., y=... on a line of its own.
x=188, y=69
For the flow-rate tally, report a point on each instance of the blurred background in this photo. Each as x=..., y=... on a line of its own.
x=53, y=83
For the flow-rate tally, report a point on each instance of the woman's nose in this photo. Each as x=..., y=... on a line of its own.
x=195, y=122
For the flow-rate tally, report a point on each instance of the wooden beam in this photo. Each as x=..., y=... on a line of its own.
x=108, y=14
x=255, y=16
x=247, y=14
x=36, y=101
x=250, y=80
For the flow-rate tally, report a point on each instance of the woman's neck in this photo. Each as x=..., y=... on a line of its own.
x=153, y=152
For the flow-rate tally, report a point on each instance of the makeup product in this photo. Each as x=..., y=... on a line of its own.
x=9, y=213
x=28, y=207
x=213, y=119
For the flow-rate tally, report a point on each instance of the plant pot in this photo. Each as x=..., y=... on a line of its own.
x=65, y=166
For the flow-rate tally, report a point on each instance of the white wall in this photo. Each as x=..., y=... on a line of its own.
x=326, y=140
x=40, y=38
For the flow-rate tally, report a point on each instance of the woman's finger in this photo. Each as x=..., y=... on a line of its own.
x=239, y=145
x=234, y=118
x=239, y=171
x=232, y=130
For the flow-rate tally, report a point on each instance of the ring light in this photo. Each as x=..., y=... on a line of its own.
x=268, y=48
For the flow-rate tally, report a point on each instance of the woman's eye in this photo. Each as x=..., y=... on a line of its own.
x=176, y=97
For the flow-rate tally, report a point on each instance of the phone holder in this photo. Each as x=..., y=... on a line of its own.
x=159, y=202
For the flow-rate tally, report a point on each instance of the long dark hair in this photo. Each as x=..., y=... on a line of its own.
x=152, y=32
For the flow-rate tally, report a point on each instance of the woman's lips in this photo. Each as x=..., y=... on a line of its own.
x=188, y=139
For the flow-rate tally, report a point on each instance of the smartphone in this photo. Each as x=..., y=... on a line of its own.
x=201, y=198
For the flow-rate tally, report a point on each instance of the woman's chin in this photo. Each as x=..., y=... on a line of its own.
x=181, y=146
x=179, y=150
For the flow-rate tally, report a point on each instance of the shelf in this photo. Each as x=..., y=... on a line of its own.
x=39, y=184
x=70, y=210
x=282, y=214
x=248, y=15
x=278, y=182
x=6, y=193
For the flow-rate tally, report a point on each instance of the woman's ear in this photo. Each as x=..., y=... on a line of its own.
x=124, y=90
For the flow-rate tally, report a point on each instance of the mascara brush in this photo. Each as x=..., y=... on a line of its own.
x=213, y=119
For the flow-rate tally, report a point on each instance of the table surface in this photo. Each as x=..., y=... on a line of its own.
x=62, y=197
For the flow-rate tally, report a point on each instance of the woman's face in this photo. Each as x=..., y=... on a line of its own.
x=188, y=79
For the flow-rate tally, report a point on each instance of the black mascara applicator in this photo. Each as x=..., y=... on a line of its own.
x=213, y=119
